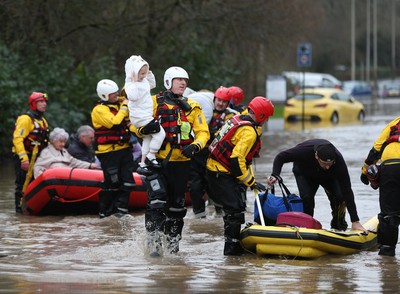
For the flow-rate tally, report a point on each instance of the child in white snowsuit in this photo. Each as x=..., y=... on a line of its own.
x=138, y=83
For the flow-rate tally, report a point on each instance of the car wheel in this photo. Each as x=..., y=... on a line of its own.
x=335, y=118
x=361, y=115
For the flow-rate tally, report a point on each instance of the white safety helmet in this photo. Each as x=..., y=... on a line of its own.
x=172, y=73
x=105, y=88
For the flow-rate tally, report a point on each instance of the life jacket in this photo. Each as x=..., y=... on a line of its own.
x=118, y=134
x=178, y=130
x=216, y=122
x=221, y=147
x=394, y=130
x=38, y=136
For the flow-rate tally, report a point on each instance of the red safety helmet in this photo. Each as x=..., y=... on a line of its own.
x=262, y=108
x=222, y=93
x=35, y=97
x=236, y=94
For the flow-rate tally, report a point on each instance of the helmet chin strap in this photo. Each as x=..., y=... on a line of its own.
x=170, y=95
x=36, y=113
x=108, y=102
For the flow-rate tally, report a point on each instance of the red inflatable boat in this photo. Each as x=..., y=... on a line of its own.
x=73, y=191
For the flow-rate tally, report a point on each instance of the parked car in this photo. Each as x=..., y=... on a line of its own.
x=311, y=80
x=357, y=89
x=324, y=104
x=389, y=89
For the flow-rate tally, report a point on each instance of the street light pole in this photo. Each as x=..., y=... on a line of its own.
x=393, y=39
x=368, y=45
x=375, y=33
x=353, y=39
x=303, y=110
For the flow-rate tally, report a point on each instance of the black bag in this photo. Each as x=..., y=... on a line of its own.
x=272, y=205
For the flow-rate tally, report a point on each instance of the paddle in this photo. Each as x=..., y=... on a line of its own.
x=260, y=212
x=30, y=170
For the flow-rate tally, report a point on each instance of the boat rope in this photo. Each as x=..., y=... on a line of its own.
x=298, y=235
x=63, y=200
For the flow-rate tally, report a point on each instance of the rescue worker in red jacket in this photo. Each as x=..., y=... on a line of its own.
x=198, y=184
x=186, y=134
x=30, y=136
x=110, y=119
x=229, y=167
x=386, y=148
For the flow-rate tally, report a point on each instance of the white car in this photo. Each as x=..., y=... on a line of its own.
x=312, y=79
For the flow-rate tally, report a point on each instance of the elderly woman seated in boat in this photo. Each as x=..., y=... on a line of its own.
x=56, y=155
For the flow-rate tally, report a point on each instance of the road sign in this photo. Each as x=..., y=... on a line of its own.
x=304, y=54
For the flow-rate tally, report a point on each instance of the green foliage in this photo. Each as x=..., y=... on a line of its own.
x=278, y=111
x=203, y=61
x=71, y=88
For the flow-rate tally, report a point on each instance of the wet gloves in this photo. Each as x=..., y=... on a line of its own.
x=364, y=179
x=258, y=187
x=190, y=150
x=151, y=128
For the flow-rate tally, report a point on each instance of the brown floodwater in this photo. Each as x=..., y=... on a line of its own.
x=85, y=254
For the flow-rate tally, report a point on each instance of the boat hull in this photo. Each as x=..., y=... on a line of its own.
x=73, y=191
x=307, y=243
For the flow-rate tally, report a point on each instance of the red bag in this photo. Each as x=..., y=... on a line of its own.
x=298, y=219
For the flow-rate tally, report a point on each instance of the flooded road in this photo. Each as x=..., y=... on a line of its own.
x=85, y=254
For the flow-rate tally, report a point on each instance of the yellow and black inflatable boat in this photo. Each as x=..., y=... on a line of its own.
x=307, y=243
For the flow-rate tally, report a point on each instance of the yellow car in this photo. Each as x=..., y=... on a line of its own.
x=323, y=104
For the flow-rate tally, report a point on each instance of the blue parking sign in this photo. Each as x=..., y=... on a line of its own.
x=304, y=53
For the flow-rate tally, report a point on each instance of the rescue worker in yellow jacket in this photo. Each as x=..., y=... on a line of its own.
x=30, y=136
x=386, y=148
x=186, y=134
x=229, y=167
x=110, y=119
x=198, y=181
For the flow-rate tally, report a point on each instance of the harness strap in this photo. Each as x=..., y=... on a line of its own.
x=391, y=161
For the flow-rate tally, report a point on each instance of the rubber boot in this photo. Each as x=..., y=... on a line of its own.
x=388, y=232
x=232, y=235
x=233, y=248
x=154, y=244
x=387, y=250
x=338, y=216
x=155, y=222
x=173, y=232
x=218, y=210
x=18, y=200
x=105, y=203
x=121, y=204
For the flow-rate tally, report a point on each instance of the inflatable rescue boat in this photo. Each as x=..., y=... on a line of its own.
x=290, y=240
x=73, y=191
